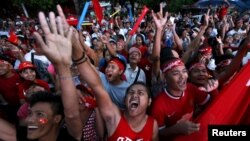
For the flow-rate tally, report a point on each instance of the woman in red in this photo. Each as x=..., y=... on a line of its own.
x=141, y=44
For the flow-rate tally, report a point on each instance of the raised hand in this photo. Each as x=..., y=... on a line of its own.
x=63, y=18
x=57, y=44
x=76, y=42
x=219, y=40
x=159, y=20
x=104, y=39
x=212, y=84
x=206, y=19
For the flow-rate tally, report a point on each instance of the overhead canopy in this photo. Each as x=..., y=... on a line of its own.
x=239, y=4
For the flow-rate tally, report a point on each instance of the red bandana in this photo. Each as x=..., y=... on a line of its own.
x=195, y=65
x=118, y=62
x=172, y=64
x=205, y=50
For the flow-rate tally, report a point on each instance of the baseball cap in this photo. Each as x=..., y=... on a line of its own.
x=25, y=65
x=134, y=49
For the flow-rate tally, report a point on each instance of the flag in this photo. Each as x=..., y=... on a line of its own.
x=98, y=11
x=230, y=107
x=13, y=38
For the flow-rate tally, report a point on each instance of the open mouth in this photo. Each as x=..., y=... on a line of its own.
x=32, y=127
x=134, y=104
x=108, y=75
x=182, y=83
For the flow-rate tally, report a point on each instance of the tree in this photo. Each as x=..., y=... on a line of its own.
x=38, y=5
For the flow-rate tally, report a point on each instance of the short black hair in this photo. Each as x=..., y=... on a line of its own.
x=7, y=58
x=166, y=54
x=53, y=99
x=140, y=83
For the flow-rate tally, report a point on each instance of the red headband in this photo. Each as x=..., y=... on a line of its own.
x=118, y=62
x=195, y=65
x=205, y=50
x=172, y=64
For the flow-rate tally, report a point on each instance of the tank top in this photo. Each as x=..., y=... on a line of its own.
x=124, y=132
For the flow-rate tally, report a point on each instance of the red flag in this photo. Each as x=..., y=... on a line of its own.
x=230, y=107
x=13, y=38
x=98, y=11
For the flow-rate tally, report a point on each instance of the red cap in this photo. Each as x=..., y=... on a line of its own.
x=72, y=20
x=134, y=49
x=25, y=65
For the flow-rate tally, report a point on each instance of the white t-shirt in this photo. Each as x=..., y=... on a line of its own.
x=131, y=74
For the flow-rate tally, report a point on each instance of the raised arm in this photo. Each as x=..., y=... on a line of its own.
x=160, y=22
x=105, y=40
x=57, y=47
x=177, y=38
x=193, y=46
x=236, y=62
x=108, y=109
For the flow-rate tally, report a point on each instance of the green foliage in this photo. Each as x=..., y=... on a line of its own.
x=34, y=6
x=176, y=5
x=38, y=4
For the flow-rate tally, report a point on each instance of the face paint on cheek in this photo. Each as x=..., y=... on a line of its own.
x=43, y=120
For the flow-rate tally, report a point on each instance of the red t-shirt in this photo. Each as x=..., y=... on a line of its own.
x=168, y=110
x=9, y=88
x=124, y=132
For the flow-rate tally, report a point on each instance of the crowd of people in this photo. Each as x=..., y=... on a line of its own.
x=106, y=83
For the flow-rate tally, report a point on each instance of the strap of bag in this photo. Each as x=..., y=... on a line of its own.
x=137, y=75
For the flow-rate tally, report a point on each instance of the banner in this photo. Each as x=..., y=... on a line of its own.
x=230, y=107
